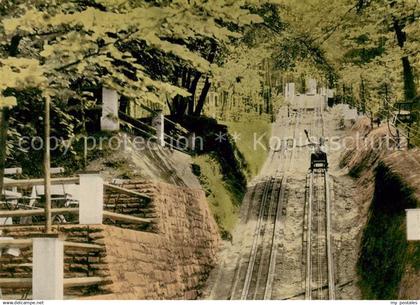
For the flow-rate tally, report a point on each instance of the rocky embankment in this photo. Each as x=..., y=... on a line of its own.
x=387, y=182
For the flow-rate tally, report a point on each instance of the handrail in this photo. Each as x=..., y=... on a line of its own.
x=82, y=281
x=27, y=183
x=25, y=243
x=15, y=243
x=139, y=129
x=69, y=244
x=26, y=282
x=136, y=120
x=182, y=129
x=119, y=189
x=127, y=218
x=38, y=212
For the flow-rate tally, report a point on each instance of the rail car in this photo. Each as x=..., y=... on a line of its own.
x=319, y=159
x=318, y=156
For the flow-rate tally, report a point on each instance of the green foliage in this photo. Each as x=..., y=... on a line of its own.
x=69, y=50
x=246, y=129
x=221, y=169
x=353, y=46
x=223, y=204
x=385, y=251
x=70, y=39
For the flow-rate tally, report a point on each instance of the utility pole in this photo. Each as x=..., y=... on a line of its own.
x=47, y=171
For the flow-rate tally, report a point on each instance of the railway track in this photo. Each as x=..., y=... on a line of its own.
x=254, y=276
x=319, y=271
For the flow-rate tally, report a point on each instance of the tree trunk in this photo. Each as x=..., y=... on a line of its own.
x=200, y=103
x=192, y=90
x=4, y=124
x=179, y=106
x=363, y=96
x=202, y=99
x=409, y=83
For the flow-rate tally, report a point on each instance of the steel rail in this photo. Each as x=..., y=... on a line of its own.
x=271, y=189
x=320, y=235
x=277, y=222
x=330, y=259
x=254, y=248
x=308, y=278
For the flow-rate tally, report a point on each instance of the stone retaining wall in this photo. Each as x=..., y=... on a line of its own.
x=77, y=262
x=170, y=261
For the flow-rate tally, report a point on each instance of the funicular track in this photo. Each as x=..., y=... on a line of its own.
x=255, y=274
x=319, y=270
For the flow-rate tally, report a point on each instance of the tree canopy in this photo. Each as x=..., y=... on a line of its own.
x=172, y=53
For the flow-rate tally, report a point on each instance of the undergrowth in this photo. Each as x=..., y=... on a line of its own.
x=385, y=251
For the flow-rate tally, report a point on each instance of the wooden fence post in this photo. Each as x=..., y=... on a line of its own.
x=47, y=165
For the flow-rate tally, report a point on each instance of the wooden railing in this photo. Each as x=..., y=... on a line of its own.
x=28, y=183
x=22, y=210
x=26, y=283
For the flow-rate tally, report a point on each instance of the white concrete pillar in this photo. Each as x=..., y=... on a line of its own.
x=413, y=224
x=311, y=86
x=289, y=90
x=91, y=202
x=48, y=268
x=158, y=122
x=109, y=119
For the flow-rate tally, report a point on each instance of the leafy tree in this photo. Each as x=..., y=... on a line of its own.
x=63, y=47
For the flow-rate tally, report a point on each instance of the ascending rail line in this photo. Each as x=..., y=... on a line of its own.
x=319, y=254
x=260, y=269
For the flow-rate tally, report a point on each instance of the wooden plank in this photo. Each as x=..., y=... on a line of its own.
x=122, y=190
x=84, y=281
x=13, y=171
x=69, y=244
x=23, y=243
x=127, y=218
x=68, y=282
x=16, y=282
x=28, y=183
x=56, y=170
x=177, y=125
x=27, y=213
x=15, y=243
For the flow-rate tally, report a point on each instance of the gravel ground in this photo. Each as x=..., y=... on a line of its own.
x=290, y=268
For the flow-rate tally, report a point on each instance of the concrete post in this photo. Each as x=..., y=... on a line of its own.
x=91, y=202
x=289, y=90
x=413, y=224
x=48, y=268
x=158, y=122
x=109, y=119
x=311, y=85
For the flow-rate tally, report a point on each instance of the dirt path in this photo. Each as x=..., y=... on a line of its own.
x=228, y=279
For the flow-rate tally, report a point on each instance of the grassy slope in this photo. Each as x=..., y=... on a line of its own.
x=223, y=204
x=223, y=197
x=254, y=158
